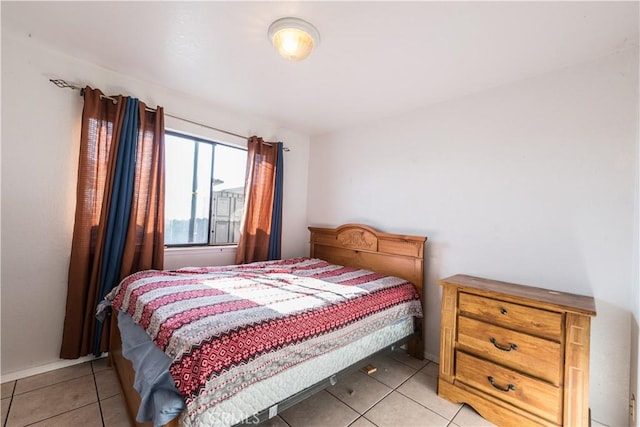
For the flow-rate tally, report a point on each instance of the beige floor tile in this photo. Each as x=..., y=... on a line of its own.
x=52, y=400
x=53, y=377
x=87, y=416
x=402, y=356
x=7, y=389
x=391, y=372
x=320, y=410
x=114, y=412
x=6, y=402
x=107, y=382
x=423, y=389
x=275, y=422
x=359, y=391
x=362, y=422
x=100, y=364
x=467, y=417
x=432, y=369
x=398, y=410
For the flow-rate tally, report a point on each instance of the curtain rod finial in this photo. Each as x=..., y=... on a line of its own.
x=64, y=84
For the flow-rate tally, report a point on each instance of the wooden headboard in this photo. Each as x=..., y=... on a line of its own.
x=357, y=245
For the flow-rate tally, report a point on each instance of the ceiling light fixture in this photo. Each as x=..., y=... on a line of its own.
x=293, y=37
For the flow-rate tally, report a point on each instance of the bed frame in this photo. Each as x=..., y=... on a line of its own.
x=352, y=245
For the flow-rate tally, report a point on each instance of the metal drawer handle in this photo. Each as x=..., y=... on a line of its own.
x=503, y=311
x=506, y=390
x=500, y=347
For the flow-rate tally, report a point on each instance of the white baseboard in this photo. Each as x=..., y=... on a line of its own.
x=62, y=363
x=429, y=356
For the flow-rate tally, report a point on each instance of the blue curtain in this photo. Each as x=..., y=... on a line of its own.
x=275, y=238
x=119, y=209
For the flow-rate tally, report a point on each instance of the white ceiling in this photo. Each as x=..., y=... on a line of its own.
x=375, y=59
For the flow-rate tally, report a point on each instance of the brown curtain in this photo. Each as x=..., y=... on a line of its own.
x=255, y=228
x=102, y=122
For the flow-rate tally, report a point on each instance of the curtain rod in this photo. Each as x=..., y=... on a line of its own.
x=64, y=84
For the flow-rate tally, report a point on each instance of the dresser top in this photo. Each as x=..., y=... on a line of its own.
x=571, y=302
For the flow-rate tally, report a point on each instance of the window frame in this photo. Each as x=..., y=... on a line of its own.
x=199, y=139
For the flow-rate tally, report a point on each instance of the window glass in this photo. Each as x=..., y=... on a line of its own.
x=228, y=193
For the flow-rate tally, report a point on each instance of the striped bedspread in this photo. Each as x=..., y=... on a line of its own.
x=216, y=322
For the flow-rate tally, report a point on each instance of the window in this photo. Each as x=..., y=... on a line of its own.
x=204, y=191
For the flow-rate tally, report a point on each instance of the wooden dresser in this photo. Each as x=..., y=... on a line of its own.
x=518, y=355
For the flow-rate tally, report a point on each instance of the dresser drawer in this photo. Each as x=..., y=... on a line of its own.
x=535, y=356
x=528, y=319
x=535, y=396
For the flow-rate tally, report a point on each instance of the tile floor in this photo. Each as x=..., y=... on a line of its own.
x=401, y=393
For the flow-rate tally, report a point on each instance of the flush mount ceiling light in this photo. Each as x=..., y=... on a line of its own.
x=293, y=37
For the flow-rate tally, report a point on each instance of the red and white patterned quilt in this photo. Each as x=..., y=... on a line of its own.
x=211, y=320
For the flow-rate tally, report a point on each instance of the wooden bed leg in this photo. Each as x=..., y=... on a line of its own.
x=416, y=348
x=416, y=345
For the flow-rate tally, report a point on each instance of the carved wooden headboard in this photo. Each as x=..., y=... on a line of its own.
x=357, y=245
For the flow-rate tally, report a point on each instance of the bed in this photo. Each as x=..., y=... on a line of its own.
x=352, y=268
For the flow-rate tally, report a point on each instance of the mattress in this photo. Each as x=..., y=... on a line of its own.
x=240, y=339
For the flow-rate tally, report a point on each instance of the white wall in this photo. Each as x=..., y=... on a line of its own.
x=532, y=182
x=635, y=298
x=40, y=143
